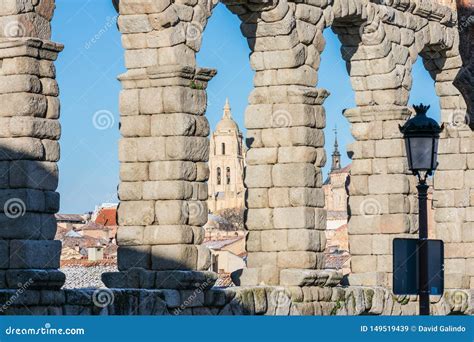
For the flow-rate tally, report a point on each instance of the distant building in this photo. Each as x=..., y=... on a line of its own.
x=106, y=216
x=105, y=213
x=95, y=253
x=227, y=256
x=214, y=229
x=89, y=237
x=335, y=191
x=69, y=253
x=96, y=231
x=226, y=165
x=71, y=218
x=336, y=204
x=70, y=221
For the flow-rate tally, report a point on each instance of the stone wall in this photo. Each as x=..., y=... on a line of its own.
x=29, y=147
x=271, y=301
x=284, y=120
x=164, y=146
x=465, y=78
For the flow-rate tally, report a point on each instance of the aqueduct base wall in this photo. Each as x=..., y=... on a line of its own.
x=270, y=301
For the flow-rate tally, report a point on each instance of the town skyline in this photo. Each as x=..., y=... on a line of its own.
x=89, y=165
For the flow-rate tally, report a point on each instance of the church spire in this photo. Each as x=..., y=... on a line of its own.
x=336, y=156
x=227, y=112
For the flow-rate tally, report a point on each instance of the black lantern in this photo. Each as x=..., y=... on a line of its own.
x=421, y=135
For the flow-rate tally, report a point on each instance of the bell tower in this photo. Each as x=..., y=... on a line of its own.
x=336, y=155
x=226, y=165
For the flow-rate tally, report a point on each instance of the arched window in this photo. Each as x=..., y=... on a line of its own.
x=223, y=148
x=219, y=181
x=227, y=175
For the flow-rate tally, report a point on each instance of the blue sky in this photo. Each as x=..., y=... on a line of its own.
x=87, y=73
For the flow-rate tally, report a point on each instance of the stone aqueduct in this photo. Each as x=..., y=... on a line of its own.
x=164, y=151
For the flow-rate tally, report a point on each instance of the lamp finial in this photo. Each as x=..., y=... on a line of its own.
x=421, y=109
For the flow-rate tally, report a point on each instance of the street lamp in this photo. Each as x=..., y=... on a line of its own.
x=421, y=135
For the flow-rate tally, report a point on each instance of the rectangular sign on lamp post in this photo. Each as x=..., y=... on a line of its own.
x=405, y=266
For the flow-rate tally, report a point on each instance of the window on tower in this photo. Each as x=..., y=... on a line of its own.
x=219, y=181
x=223, y=148
x=227, y=175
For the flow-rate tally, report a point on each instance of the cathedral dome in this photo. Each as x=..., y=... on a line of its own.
x=227, y=123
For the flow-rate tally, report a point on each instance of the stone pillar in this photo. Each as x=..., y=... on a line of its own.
x=163, y=151
x=453, y=181
x=285, y=118
x=465, y=78
x=454, y=201
x=379, y=204
x=29, y=147
x=285, y=217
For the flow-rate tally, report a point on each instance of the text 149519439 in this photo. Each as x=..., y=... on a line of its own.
x=413, y=328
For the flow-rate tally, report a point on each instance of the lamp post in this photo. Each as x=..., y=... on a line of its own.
x=421, y=135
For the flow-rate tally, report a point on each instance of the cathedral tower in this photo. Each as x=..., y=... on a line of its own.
x=226, y=165
x=336, y=155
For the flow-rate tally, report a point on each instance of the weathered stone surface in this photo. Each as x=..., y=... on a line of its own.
x=168, y=235
x=132, y=213
x=297, y=277
x=164, y=150
x=25, y=254
x=185, y=279
x=174, y=257
x=294, y=175
x=299, y=217
x=133, y=256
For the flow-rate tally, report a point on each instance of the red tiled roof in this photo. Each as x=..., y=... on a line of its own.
x=107, y=217
x=93, y=226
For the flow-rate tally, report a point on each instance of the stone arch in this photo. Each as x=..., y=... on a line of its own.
x=285, y=118
x=284, y=121
x=452, y=182
x=379, y=185
x=380, y=45
x=284, y=113
x=437, y=43
x=164, y=148
x=163, y=190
